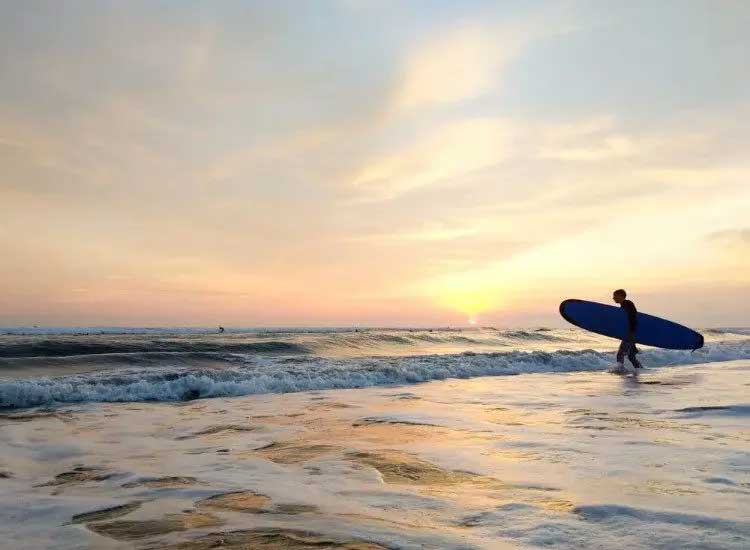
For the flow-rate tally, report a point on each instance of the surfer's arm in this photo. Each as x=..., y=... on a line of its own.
x=632, y=320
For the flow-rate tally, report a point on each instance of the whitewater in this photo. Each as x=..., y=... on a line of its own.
x=54, y=366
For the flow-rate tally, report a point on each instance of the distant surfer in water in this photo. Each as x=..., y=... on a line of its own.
x=221, y=329
x=627, y=346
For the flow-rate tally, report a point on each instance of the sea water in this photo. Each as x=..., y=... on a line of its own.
x=48, y=366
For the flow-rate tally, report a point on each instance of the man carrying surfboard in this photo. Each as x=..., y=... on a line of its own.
x=629, y=325
x=627, y=346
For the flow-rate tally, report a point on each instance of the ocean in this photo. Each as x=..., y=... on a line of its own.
x=369, y=439
x=48, y=366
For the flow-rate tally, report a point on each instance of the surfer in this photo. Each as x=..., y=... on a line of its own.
x=221, y=329
x=627, y=346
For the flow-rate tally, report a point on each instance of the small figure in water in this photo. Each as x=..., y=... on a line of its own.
x=627, y=346
x=221, y=329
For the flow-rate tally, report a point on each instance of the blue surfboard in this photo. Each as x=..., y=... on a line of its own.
x=613, y=322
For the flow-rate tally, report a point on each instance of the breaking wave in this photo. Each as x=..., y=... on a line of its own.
x=256, y=375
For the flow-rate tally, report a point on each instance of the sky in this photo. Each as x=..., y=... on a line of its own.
x=372, y=162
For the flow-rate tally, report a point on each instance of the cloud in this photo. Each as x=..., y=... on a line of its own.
x=427, y=233
x=518, y=152
x=587, y=126
x=455, y=65
x=697, y=178
x=445, y=154
x=590, y=140
x=731, y=237
x=608, y=148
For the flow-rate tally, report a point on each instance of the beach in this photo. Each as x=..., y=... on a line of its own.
x=574, y=458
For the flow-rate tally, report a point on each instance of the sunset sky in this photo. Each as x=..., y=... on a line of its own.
x=360, y=162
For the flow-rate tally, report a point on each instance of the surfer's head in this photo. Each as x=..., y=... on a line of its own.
x=619, y=295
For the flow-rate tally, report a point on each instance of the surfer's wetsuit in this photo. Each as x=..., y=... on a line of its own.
x=627, y=346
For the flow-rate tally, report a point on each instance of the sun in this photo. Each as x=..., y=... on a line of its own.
x=469, y=294
x=471, y=303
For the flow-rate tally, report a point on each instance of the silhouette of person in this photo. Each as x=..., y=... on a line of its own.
x=627, y=346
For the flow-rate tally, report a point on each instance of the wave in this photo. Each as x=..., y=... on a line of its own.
x=63, y=348
x=539, y=334
x=737, y=331
x=281, y=376
x=24, y=346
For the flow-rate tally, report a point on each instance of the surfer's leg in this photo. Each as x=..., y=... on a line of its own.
x=621, y=352
x=633, y=359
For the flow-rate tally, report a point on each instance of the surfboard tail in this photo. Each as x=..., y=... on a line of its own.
x=700, y=342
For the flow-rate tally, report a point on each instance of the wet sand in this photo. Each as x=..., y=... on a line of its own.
x=574, y=460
